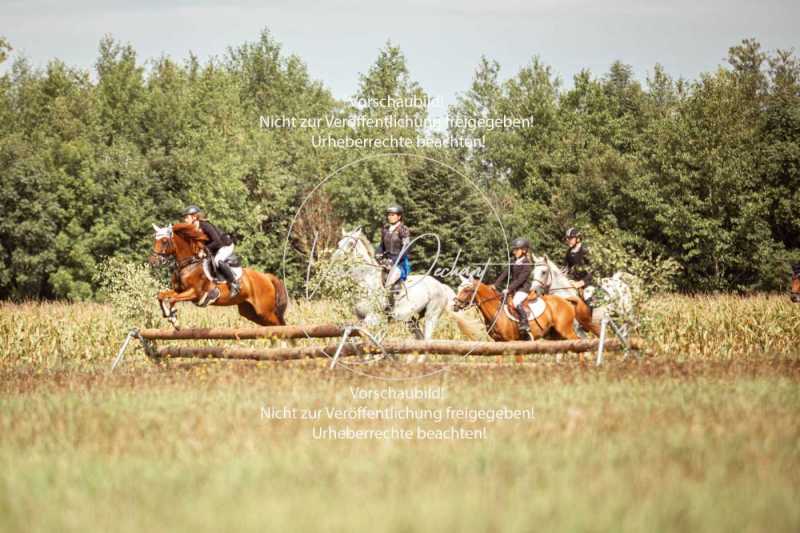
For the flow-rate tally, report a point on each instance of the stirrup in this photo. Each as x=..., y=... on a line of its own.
x=209, y=298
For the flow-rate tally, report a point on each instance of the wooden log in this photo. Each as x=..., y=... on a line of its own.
x=442, y=347
x=278, y=332
x=261, y=354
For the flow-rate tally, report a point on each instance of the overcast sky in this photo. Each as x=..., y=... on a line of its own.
x=442, y=41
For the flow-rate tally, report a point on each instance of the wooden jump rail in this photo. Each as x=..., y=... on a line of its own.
x=345, y=348
x=438, y=347
x=264, y=332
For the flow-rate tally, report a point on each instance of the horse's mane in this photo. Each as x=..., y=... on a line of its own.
x=194, y=236
x=189, y=232
x=367, y=245
x=552, y=265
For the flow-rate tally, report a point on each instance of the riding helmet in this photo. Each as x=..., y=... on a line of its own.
x=572, y=232
x=520, y=243
x=191, y=210
x=396, y=209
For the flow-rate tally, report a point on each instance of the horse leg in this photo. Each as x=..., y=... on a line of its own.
x=413, y=327
x=263, y=301
x=584, y=315
x=564, y=320
x=166, y=308
x=186, y=296
x=565, y=329
x=432, y=317
x=166, y=300
x=562, y=315
x=246, y=310
x=265, y=314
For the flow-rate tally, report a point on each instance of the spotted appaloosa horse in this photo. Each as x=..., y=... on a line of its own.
x=262, y=298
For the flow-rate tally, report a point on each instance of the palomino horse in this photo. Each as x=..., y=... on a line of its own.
x=262, y=298
x=421, y=297
x=558, y=314
x=796, y=283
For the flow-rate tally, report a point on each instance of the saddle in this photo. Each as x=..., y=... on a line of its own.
x=535, y=307
x=214, y=275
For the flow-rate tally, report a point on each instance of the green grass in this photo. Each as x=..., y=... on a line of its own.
x=686, y=440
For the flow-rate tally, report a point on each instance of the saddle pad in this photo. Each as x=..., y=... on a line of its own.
x=535, y=310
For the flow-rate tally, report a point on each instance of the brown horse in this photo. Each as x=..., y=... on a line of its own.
x=262, y=298
x=558, y=315
x=796, y=284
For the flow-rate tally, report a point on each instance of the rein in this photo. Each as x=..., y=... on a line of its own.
x=183, y=263
x=549, y=281
x=180, y=265
x=478, y=304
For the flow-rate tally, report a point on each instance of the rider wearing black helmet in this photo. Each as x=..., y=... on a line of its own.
x=577, y=259
x=520, y=284
x=393, y=250
x=219, y=245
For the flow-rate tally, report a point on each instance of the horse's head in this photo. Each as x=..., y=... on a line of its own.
x=163, y=247
x=542, y=276
x=795, y=288
x=467, y=292
x=353, y=243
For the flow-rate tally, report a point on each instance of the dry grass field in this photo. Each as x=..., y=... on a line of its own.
x=702, y=434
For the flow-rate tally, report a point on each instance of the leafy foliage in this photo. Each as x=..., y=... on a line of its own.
x=130, y=289
x=690, y=184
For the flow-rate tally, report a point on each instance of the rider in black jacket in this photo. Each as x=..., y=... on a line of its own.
x=520, y=284
x=219, y=245
x=577, y=259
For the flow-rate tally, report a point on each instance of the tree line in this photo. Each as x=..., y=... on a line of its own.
x=692, y=184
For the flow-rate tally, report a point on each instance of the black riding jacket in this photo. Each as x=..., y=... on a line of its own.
x=577, y=261
x=392, y=242
x=520, y=276
x=216, y=238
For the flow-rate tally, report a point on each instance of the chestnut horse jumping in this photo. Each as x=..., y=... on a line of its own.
x=262, y=298
x=558, y=314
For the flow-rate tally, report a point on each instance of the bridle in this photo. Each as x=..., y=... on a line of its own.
x=475, y=301
x=352, y=250
x=549, y=279
x=168, y=255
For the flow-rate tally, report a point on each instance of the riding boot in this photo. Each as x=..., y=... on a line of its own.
x=524, y=327
x=230, y=277
x=391, y=296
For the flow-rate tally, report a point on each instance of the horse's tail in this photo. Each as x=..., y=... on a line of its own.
x=281, y=298
x=467, y=327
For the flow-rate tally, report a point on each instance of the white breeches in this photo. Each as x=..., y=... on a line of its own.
x=519, y=297
x=222, y=254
